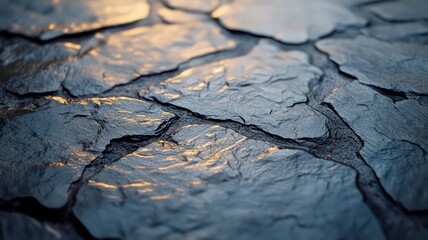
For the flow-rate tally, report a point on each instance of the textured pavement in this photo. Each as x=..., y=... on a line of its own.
x=214, y=119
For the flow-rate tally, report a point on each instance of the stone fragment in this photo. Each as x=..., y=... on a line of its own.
x=30, y=68
x=47, y=19
x=44, y=151
x=401, y=10
x=18, y=226
x=395, y=139
x=266, y=88
x=209, y=182
x=205, y=6
x=397, y=30
x=289, y=21
x=400, y=67
x=99, y=64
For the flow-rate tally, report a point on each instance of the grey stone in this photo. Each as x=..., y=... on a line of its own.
x=395, y=139
x=47, y=19
x=205, y=6
x=401, y=10
x=44, y=151
x=401, y=67
x=289, y=21
x=102, y=62
x=209, y=182
x=266, y=88
x=18, y=226
x=397, y=30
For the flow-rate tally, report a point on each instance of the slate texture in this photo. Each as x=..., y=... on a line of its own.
x=289, y=21
x=47, y=19
x=400, y=67
x=395, y=139
x=170, y=189
x=44, y=151
x=266, y=88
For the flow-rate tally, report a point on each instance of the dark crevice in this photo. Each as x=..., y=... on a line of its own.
x=392, y=216
x=117, y=149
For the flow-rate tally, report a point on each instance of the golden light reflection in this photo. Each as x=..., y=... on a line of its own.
x=110, y=186
x=58, y=99
x=160, y=197
x=56, y=164
x=266, y=153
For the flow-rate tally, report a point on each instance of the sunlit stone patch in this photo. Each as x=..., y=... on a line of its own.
x=266, y=88
x=401, y=67
x=47, y=19
x=209, y=182
x=289, y=21
x=195, y=5
x=395, y=139
x=44, y=151
x=178, y=16
x=102, y=62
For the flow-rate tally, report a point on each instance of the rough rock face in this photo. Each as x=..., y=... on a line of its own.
x=401, y=10
x=395, y=139
x=206, y=6
x=43, y=152
x=398, y=30
x=47, y=19
x=401, y=67
x=18, y=226
x=170, y=189
x=296, y=21
x=98, y=64
x=265, y=88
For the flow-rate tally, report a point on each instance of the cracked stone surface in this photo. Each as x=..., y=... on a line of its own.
x=401, y=10
x=61, y=140
x=47, y=19
x=266, y=88
x=296, y=21
x=395, y=139
x=397, y=31
x=205, y=6
x=213, y=119
x=169, y=189
x=18, y=226
x=400, y=67
x=99, y=64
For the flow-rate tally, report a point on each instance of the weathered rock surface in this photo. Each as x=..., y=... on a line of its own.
x=99, y=64
x=47, y=19
x=401, y=67
x=401, y=10
x=266, y=88
x=210, y=182
x=206, y=6
x=397, y=31
x=18, y=226
x=395, y=139
x=289, y=21
x=43, y=152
